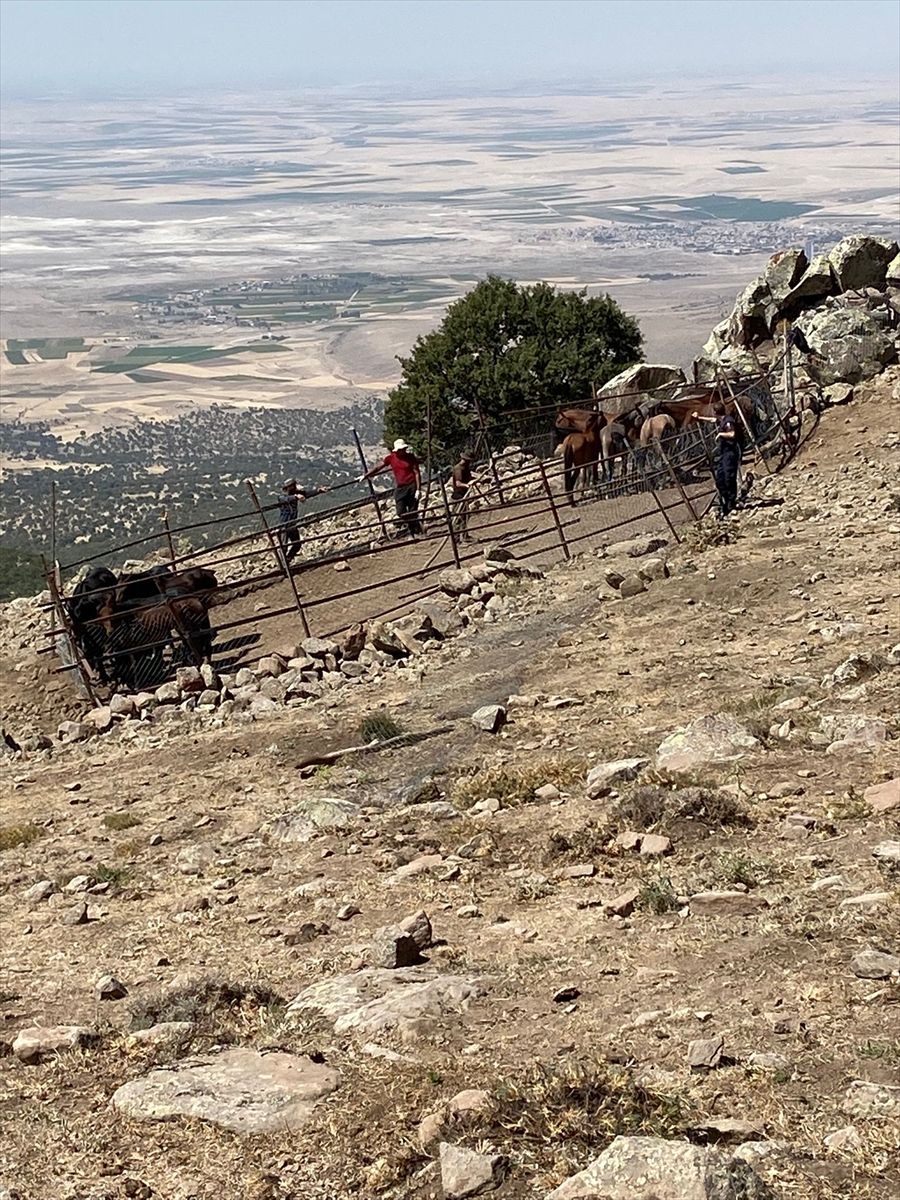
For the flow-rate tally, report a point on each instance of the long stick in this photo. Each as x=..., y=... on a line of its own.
x=450, y=530
x=488, y=450
x=677, y=482
x=171, y=544
x=280, y=558
x=556, y=520
x=362, y=459
x=403, y=739
x=60, y=610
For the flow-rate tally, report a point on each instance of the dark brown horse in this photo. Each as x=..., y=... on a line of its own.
x=581, y=455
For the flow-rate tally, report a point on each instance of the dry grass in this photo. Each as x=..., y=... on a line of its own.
x=120, y=820
x=513, y=785
x=12, y=836
x=223, y=1011
x=651, y=805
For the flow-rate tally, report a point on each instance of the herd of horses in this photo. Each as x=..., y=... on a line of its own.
x=593, y=441
x=126, y=625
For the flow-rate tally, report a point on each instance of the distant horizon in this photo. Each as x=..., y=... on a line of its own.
x=98, y=49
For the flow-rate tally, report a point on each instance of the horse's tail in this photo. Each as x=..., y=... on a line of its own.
x=569, y=472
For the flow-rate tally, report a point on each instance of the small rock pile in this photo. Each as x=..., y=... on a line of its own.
x=316, y=666
x=846, y=304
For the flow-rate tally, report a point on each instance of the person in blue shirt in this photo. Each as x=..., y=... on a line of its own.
x=288, y=532
x=729, y=458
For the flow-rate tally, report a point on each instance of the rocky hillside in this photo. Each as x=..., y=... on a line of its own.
x=610, y=907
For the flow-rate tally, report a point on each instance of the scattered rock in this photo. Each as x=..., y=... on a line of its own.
x=636, y=547
x=490, y=718
x=716, y=738
x=418, y=926
x=166, y=1033
x=877, y=1101
x=456, y=582
x=77, y=915
x=39, y=891
x=393, y=947
x=121, y=705
x=470, y=1101
x=724, y=904
x=764, y=1060
x=883, y=797
x=110, y=988
x=464, y=1172
x=654, y=845
x=726, y=1130
x=310, y=815
x=431, y=1131
x=33, y=1044
x=705, y=1053
x=101, y=718
x=845, y=1140
x=874, y=964
x=239, y=1089
x=887, y=859
x=75, y=731
x=631, y=585
x=371, y=1000
x=650, y=1168
x=604, y=776
x=623, y=904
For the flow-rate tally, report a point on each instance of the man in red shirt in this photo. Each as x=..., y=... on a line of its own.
x=408, y=481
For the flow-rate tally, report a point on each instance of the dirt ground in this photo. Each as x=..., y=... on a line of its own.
x=741, y=626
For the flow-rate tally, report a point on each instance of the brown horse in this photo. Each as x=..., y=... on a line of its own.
x=581, y=454
x=654, y=429
x=613, y=445
x=577, y=420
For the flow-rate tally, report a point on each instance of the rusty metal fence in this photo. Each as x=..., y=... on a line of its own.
x=519, y=502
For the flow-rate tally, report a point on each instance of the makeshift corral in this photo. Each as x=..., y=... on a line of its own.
x=355, y=568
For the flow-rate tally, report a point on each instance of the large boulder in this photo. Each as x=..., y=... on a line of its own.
x=860, y=262
x=749, y=320
x=783, y=271
x=241, y=1090
x=656, y=380
x=852, y=344
x=816, y=281
x=651, y=1168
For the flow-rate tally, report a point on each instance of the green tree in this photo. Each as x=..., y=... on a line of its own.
x=513, y=348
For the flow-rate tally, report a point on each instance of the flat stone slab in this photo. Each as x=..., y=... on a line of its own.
x=374, y=999
x=31, y=1045
x=310, y=815
x=650, y=1168
x=606, y=774
x=238, y=1089
x=716, y=738
x=882, y=797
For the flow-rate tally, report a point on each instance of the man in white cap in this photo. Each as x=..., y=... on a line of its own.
x=407, y=480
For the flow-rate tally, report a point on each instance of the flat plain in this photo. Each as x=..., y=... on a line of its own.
x=667, y=197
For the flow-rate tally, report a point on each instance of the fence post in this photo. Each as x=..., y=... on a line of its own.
x=362, y=459
x=280, y=557
x=559, y=529
x=59, y=609
x=169, y=541
x=684, y=496
x=665, y=515
x=490, y=454
x=450, y=530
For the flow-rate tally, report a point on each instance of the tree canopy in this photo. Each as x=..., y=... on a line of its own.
x=511, y=348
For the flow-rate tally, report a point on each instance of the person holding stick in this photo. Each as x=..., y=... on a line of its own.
x=729, y=459
x=461, y=482
x=407, y=480
x=288, y=532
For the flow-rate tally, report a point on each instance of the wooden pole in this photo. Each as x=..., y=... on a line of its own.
x=665, y=515
x=450, y=530
x=740, y=412
x=53, y=545
x=362, y=459
x=559, y=529
x=171, y=544
x=684, y=496
x=280, y=557
x=488, y=450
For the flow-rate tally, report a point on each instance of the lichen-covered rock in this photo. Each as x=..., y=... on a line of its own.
x=861, y=262
x=852, y=344
x=719, y=737
x=651, y=1168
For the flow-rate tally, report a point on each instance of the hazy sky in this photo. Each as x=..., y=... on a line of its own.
x=95, y=45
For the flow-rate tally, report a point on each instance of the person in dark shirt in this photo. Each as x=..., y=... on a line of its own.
x=461, y=481
x=407, y=480
x=288, y=533
x=729, y=457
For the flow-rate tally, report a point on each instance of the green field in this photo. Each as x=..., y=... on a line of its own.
x=46, y=348
x=142, y=356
